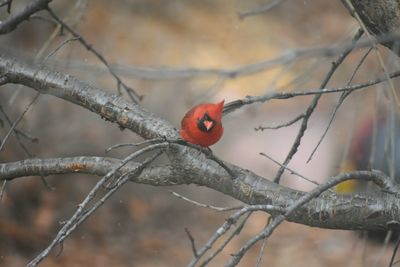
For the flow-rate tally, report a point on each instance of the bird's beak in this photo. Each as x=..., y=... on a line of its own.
x=208, y=124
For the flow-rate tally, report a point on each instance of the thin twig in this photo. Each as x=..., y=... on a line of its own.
x=377, y=177
x=275, y=127
x=72, y=17
x=263, y=245
x=260, y=10
x=145, y=142
x=236, y=232
x=59, y=47
x=312, y=106
x=27, y=136
x=8, y=4
x=191, y=242
x=12, y=21
x=378, y=54
x=236, y=104
x=227, y=225
x=18, y=120
x=2, y=190
x=131, y=93
x=123, y=179
x=80, y=214
x=343, y=96
x=395, y=249
x=289, y=169
x=289, y=56
x=205, y=205
x=24, y=148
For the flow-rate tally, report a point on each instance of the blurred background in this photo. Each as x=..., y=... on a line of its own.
x=172, y=53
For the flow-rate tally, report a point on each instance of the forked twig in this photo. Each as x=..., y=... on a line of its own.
x=12, y=128
x=131, y=93
x=81, y=214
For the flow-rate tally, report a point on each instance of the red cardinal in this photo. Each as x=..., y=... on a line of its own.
x=202, y=124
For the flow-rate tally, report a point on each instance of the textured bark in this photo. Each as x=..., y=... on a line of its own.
x=188, y=166
x=12, y=22
x=381, y=17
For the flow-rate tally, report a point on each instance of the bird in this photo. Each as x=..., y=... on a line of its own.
x=202, y=124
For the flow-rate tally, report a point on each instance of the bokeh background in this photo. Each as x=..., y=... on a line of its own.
x=154, y=46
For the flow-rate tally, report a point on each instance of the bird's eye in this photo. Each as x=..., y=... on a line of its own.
x=207, y=117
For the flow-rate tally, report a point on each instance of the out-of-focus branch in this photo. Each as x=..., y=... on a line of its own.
x=260, y=9
x=131, y=93
x=14, y=20
x=7, y=3
x=287, y=57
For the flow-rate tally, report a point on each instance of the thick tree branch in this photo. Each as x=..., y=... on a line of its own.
x=98, y=166
x=107, y=105
x=377, y=210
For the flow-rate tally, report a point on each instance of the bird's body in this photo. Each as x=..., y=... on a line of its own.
x=202, y=124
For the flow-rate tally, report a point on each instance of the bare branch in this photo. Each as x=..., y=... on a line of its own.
x=287, y=57
x=12, y=128
x=343, y=96
x=312, y=106
x=190, y=166
x=275, y=127
x=260, y=10
x=17, y=135
x=289, y=169
x=395, y=249
x=204, y=205
x=59, y=47
x=379, y=178
x=227, y=225
x=131, y=93
x=349, y=212
x=81, y=215
x=8, y=4
x=3, y=189
x=109, y=106
x=14, y=20
x=146, y=142
x=234, y=105
x=234, y=233
x=192, y=242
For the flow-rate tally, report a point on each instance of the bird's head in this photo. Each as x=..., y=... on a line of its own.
x=210, y=116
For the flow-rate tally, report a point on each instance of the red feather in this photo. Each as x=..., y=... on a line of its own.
x=202, y=124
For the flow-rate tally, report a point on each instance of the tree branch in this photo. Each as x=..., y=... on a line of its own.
x=109, y=106
x=376, y=210
x=12, y=22
x=365, y=211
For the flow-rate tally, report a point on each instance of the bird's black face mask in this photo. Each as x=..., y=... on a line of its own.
x=206, y=123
